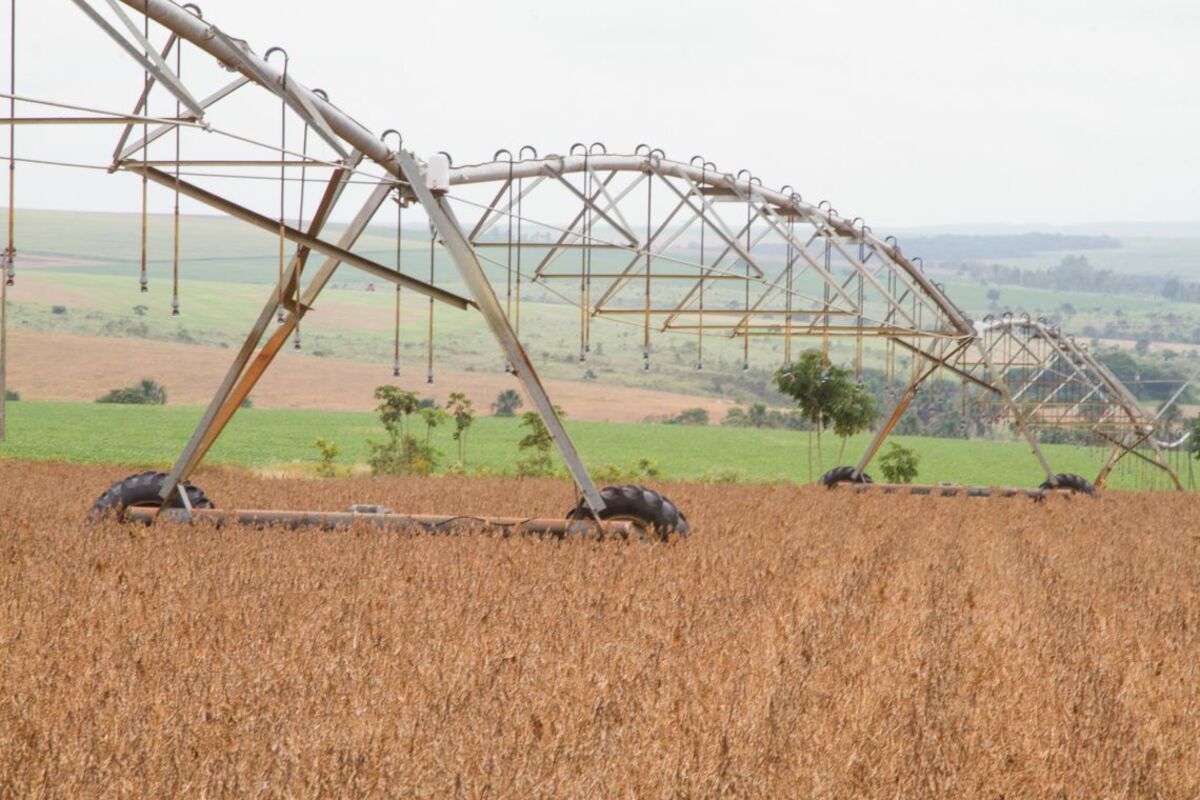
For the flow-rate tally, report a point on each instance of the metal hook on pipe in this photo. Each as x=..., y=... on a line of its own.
x=496, y=155
x=195, y=9
x=392, y=131
x=577, y=144
x=286, y=59
x=449, y=160
x=530, y=148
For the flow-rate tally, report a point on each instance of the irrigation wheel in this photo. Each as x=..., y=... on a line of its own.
x=1076, y=483
x=640, y=505
x=142, y=491
x=843, y=475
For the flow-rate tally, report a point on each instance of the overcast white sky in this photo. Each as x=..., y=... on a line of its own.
x=907, y=113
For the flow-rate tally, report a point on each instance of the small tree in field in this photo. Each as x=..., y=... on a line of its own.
x=433, y=418
x=329, y=451
x=463, y=411
x=899, y=464
x=536, y=443
x=401, y=454
x=507, y=403
x=826, y=397
x=854, y=414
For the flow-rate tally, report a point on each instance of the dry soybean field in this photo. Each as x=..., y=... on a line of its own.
x=801, y=643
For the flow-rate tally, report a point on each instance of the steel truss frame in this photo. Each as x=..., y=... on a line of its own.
x=835, y=277
x=1058, y=383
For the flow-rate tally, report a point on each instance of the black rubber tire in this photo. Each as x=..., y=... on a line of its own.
x=843, y=475
x=1076, y=483
x=142, y=490
x=658, y=514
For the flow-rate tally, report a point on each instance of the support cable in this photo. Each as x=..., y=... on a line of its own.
x=400, y=269
x=700, y=324
x=429, y=358
x=399, y=259
x=143, y=280
x=178, y=133
x=280, y=317
x=300, y=224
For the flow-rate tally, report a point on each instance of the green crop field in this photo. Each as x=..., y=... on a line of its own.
x=151, y=436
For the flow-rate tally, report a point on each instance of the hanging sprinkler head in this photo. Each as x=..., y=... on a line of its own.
x=174, y=308
x=143, y=284
x=296, y=339
x=396, y=370
x=645, y=361
x=429, y=376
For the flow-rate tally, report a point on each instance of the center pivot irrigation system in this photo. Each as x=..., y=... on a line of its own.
x=663, y=245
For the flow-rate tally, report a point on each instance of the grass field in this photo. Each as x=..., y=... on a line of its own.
x=800, y=644
x=270, y=438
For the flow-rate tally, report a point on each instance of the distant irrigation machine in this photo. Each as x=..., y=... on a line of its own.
x=665, y=246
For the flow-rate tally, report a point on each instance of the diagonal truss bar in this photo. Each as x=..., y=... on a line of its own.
x=142, y=100
x=300, y=237
x=299, y=101
x=242, y=375
x=162, y=130
x=155, y=66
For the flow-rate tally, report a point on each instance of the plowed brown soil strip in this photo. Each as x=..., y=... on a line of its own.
x=801, y=644
x=69, y=367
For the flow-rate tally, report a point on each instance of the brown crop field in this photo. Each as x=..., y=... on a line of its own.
x=800, y=644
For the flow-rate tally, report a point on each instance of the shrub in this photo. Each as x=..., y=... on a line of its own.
x=721, y=475
x=58, y=310
x=401, y=454
x=689, y=416
x=329, y=451
x=148, y=392
x=899, y=464
x=507, y=403
x=11, y=394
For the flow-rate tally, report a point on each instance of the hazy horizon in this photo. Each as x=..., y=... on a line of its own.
x=931, y=115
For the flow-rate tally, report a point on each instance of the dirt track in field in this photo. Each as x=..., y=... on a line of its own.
x=69, y=367
x=801, y=644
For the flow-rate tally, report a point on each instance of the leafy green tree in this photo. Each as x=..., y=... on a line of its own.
x=854, y=414
x=401, y=454
x=463, y=411
x=507, y=403
x=536, y=444
x=433, y=418
x=826, y=396
x=899, y=463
